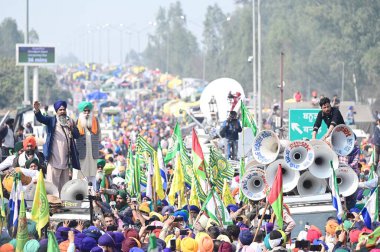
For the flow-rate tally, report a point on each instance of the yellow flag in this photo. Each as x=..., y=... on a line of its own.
x=40, y=208
x=194, y=199
x=178, y=184
x=157, y=181
x=226, y=194
x=2, y=207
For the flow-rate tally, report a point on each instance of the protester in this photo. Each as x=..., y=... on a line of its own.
x=88, y=142
x=7, y=139
x=376, y=142
x=60, y=149
x=230, y=131
x=330, y=115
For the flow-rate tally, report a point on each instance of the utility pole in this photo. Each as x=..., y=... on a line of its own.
x=259, y=118
x=254, y=60
x=26, y=39
x=282, y=94
x=342, y=95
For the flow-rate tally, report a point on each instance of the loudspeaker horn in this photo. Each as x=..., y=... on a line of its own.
x=347, y=180
x=31, y=189
x=289, y=177
x=266, y=147
x=253, y=184
x=321, y=168
x=317, y=142
x=310, y=185
x=74, y=190
x=299, y=155
x=342, y=140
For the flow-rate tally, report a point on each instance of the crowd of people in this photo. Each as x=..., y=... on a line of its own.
x=127, y=220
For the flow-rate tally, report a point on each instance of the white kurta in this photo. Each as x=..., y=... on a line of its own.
x=87, y=165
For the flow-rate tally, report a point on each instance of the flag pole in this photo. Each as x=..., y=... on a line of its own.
x=213, y=196
x=261, y=220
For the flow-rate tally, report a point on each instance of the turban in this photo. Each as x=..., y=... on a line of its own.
x=232, y=207
x=122, y=194
x=159, y=216
x=59, y=104
x=92, y=232
x=7, y=247
x=108, y=169
x=194, y=209
x=101, y=162
x=31, y=161
x=18, y=147
x=107, y=240
x=31, y=246
x=87, y=244
x=84, y=105
x=246, y=237
x=331, y=225
x=30, y=140
x=275, y=238
x=189, y=244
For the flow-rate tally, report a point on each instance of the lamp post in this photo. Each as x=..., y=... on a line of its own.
x=213, y=109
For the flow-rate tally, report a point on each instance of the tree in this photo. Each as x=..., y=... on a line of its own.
x=9, y=37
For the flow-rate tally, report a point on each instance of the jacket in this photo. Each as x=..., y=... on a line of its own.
x=232, y=130
x=51, y=122
x=376, y=136
x=95, y=140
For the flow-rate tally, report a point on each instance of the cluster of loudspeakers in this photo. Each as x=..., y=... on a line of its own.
x=305, y=165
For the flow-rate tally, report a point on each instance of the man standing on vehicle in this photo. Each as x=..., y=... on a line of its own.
x=59, y=149
x=330, y=115
x=88, y=142
x=230, y=130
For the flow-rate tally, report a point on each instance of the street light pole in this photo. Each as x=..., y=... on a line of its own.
x=254, y=59
x=342, y=95
x=282, y=93
x=259, y=118
x=26, y=39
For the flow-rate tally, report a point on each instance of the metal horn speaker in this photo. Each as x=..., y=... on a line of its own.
x=289, y=177
x=299, y=155
x=310, y=185
x=347, y=180
x=266, y=147
x=253, y=184
x=74, y=190
x=31, y=189
x=342, y=140
x=321, y=168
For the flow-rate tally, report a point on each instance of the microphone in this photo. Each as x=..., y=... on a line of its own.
x=90, y=189
x=90, y=198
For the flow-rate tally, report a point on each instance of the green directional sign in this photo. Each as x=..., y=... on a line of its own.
x=301, y=122
x=34, y=55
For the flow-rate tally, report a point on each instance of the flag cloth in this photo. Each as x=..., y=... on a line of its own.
x=2, y=206
x=134, y=181
x=198, y=158
x=178, y=184
x=226, y=194
x=212, y=204
x=242, y=197
x=40, y=208
x=194, y=199
x=157, y=179
x=247, y=120
x=177, y=141
x=370, y=211
x=22, y=229
x=143, y=146
x=163, y=170
x=335, y=196
x=149, y=175
x=275, y=198
x=371, y=238
x=187, y=166
x=219, y=169
x=152, y=247
x=52, y=242
x=13, y=203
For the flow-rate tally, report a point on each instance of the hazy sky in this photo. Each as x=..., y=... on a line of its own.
x=73, y=25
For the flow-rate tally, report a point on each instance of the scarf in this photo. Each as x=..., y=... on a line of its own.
x=94, y=126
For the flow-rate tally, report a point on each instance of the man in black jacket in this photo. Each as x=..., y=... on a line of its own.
x=331, y=116
x=231, y=129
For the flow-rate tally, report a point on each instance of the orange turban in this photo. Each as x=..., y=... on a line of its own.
x=7, y=247
x=30, y=140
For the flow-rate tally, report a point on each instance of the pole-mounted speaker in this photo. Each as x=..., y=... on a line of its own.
x=342, y=140
x=31, y=189
x=299, y=155
x=253, y=184
x=347, y=180
x=310, y=185
x=266, y=147
x=289, y=177
x=323, y=154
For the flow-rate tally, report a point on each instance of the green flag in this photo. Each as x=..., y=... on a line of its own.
x=247, y=120
x=219, y=168
x=52, y=242
x=177, y=141
x=22, y=228
x=152, y=247
x=242, y=197
x=215, y=208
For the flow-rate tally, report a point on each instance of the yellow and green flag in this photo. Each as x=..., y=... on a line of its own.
x=226, y=194
x=40, y=208
x=22, y=227
x=52, y=242
x=178, y=184
x=157, y=179
x=194, y=199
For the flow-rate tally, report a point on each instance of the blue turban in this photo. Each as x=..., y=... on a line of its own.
x=59, y=104
x=232, y=207
x=194, y=209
